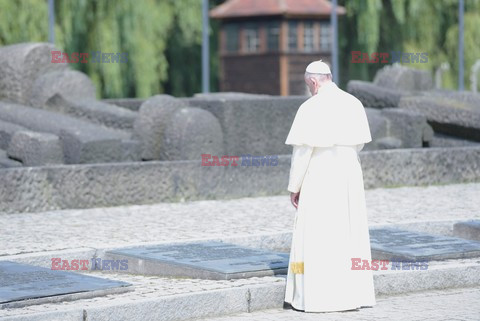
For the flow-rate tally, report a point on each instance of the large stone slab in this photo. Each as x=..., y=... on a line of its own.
x=397, y=128
x=400, y=77
x=93, y=110
x=467, y=229
x=374, y=96
x=252, y=125
x=391, y=243
x=72, y=84
x=409, y=126
x=448, y=112
x=22, y=285
x=205, y=260
x=391, y=83
x=83, y=142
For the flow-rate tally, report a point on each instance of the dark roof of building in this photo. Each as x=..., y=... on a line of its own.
x=250, y=8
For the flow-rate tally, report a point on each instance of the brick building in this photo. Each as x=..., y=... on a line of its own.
x=265, y=45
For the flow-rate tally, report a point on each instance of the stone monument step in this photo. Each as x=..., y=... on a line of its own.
x=22, y=285
x=205, y=260
x=391, y=243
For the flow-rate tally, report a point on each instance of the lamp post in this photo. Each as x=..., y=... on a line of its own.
x=460, y=44
x=205, y=49
x=51, y=21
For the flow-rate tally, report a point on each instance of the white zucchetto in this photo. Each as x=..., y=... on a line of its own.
x=318, y=67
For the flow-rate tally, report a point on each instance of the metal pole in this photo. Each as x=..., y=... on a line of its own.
x=333, y=18
x=205, y=50
x=51, y=21
x=460, y=44
x=474, y=76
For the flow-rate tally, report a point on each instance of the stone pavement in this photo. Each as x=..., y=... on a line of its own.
x=444, y=305
x=85, y=231
x=130, y=225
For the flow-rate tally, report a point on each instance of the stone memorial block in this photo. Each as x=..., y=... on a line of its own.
x=409, y=126
x=205, y=260
x=252, y=125
x=20, y=65
x=149, y=127
x=71, y=84
x=36, y=149
x=400, y=77
x=448, y=112
x=467, y=229
x=390, y=243
x=93, y=110
x=374, y=96
x=22, y=285
x=83, y=142
x=191, y=132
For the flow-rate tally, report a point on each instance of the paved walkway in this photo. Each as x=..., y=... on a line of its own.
x=25, y=233
x=445, y=305
x=127, y=225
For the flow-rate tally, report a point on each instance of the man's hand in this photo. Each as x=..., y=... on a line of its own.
x=294, y=197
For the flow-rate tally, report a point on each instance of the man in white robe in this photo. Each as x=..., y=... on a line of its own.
x=326, y=185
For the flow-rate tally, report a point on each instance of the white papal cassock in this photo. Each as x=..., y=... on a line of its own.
x=330, y=225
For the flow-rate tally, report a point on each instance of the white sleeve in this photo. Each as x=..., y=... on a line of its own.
x=300, y=159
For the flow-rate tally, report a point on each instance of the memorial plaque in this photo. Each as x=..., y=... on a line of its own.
x=391, y=243
x=467, y=229
x=207, y=260
x=22, y=284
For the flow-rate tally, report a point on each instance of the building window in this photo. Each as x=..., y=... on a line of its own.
x=292, y=35
x=308, y=36
x=273, y=35
x=251, y=37
x=231, y=35
x=325, y=37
